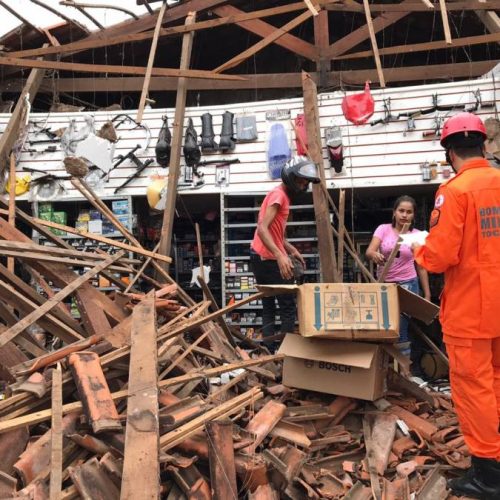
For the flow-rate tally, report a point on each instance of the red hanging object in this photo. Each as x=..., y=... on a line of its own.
x=358, y=108
x=300, y=130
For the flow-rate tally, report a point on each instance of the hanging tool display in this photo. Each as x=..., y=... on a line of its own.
x=436, y=131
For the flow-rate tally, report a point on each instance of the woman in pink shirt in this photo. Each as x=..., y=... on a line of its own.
x=403, y=270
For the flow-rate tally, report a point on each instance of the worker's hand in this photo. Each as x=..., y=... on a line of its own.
x=427, y=296
x=299, y=257
x=414, y=246
x=286, y=266
x=378, y=258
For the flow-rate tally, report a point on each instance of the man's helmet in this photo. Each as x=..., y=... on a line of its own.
x=299, y=166
x=464, y=130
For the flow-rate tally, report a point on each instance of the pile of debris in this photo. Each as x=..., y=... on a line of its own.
x=151, y=396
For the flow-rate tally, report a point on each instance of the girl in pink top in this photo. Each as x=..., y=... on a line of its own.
x=403, y=270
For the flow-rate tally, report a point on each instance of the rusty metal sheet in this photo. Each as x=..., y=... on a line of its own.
x=94, y=392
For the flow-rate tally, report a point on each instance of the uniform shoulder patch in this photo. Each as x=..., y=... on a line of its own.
x=439, y=201
x=435, y=214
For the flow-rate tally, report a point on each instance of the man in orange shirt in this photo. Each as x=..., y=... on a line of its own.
x=464, y=244
x=270, y=252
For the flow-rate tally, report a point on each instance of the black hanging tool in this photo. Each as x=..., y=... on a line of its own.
x=388, y=116
x=141, y=166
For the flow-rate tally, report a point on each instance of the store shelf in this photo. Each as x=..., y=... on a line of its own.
x=256, y=209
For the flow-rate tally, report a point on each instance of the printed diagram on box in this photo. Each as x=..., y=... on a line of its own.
x=335, y=309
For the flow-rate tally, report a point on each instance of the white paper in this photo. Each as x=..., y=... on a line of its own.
x=410, y=238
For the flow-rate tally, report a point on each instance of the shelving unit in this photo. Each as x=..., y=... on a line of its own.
x=239, y=213
x=72, y=208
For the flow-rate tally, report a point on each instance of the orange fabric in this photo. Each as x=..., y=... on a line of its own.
x=464, y=243
x=276, y=196
x=475, y=386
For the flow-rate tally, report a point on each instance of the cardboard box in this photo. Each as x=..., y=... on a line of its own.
x=352, y=369
x=354, y=311
x=361, y=311
x=95, y=226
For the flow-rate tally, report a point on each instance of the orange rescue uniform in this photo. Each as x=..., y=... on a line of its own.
x=464, y=243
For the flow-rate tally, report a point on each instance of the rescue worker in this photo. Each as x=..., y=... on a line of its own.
x=271, y=254
x=464, y=244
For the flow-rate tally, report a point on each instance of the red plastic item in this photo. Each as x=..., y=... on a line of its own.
x=358, y=108
x=300, y=130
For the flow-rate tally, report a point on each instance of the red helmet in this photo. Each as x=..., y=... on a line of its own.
x=463, y=123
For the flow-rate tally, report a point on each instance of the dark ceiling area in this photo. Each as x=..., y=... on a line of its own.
x=212, y=47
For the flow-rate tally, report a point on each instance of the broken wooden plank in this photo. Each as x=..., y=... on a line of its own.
x=102, y=239
x=142, y=430
x=12, y=203
x=52, y=302
x=175, y=151
x=56, y=455
x=151, y=60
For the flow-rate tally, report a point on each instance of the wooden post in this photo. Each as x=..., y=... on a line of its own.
x=56, y=455
x=322, y=42
x=326, y=246
x=446, y=24
x=12, y=203
x=152, y=53
x=175, y=153
x=341, y=234
x=376, y=55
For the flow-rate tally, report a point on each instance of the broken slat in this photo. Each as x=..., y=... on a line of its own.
x=142, y=430
x=383, y=433
x=94, y=392
x=52, y=302
x=221, y=459
x=56, y=455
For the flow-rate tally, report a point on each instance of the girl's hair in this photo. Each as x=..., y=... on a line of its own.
x=402, y=199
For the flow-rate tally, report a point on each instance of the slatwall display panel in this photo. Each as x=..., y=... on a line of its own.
x=379, y=155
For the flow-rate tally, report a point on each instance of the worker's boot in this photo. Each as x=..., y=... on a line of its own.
x=227, y=141
x=481, y=481
x=207, y=134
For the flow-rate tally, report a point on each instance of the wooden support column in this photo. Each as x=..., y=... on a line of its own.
x=446, y=23
x=326, y=246
x=322, y=42
x=12, y=203
x=56, y=455
x=175, y=153
x=11, y=132
x=152, y=54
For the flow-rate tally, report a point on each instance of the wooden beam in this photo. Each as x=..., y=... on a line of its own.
x=489, y=18
x=175, y=152
x=361, y=34
x=12, y=203
x=151, y=60
x=341, y=234
x=164, y=32
x=263, y=29
x=142, y=430
x=268, y=40
x=412, y=6
x=113, y=69
x=326, y=247
x=373, y=40
x=322, y=41
x=56, y=435
x=102, y=239
x=422, y=47
x=436, y=72
x=11, y=132
x=446, y=23
x=15, y=330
